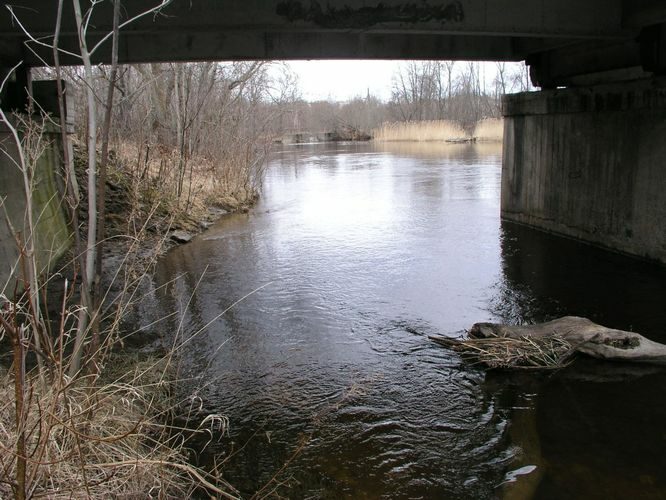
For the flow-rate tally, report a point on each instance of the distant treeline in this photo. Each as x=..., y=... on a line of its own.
x=420, y=91
x=223, y=116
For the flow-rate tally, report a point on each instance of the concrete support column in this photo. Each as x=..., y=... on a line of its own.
x=52, y=236
x=590, y=163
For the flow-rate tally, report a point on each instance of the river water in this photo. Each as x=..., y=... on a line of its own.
x=355, y=254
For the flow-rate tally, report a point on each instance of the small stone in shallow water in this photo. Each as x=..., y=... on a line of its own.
x=217, y=212
x=513, y=475
x=181, y=236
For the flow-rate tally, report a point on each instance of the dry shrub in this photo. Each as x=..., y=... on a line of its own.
x=102, y=440
x=96, y=434
x=232, y=182
x=489, y=130
x=435, y=130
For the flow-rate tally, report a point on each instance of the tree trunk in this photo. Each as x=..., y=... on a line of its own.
x=91, y=245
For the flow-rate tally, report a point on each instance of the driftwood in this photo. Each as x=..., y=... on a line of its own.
x=552, y=344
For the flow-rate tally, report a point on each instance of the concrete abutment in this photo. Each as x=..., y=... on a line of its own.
x=42, y=147
x=589, y=163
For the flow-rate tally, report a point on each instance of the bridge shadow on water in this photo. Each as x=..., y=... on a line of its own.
x=595, y=429
x=546, y=276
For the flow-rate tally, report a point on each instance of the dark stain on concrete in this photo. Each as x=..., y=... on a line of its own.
x=365, y=17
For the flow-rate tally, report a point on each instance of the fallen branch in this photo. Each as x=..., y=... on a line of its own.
x=552, y=344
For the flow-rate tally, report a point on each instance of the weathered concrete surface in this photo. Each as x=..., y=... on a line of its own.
x=266, y=29
x=52, y=236
x=565, y=42
x=589, y=163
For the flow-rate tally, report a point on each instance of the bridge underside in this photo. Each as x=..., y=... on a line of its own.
x=584, y=161
x=567, y=42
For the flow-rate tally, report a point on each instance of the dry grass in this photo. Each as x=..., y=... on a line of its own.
x=106, y=440
x=436, y=130
x=489, y=130
x=95, y=433
x=549, y=352
x=231, y=183
x=106, y=432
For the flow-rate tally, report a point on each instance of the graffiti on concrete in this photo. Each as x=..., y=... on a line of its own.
x=365, y=17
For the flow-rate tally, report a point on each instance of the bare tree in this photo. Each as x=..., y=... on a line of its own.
x=521, y=79
x=417, y=91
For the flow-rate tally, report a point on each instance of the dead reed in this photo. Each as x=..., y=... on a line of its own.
x=155, y=177
x=105, y=431
x=525, y=353
x=434, y=130
x=489, y=130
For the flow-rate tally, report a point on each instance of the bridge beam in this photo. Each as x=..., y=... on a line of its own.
x=267, y=29
x=141, y=48
x=588, y=163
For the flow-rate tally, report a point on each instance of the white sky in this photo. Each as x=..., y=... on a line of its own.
x=344, y=80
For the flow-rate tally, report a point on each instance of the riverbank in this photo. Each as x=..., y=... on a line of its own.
x=446, y=131
x=146, y=187
x=107, y=429
x=144, y=216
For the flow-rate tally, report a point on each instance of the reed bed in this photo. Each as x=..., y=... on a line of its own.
x=489, y=130
x=421, y=131
x=524, y=353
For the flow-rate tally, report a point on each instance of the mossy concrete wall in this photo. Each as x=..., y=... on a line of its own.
x=52, y=235
x=589, y=163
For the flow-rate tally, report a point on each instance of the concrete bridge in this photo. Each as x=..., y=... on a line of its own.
x=566, y=42
x=584, y=157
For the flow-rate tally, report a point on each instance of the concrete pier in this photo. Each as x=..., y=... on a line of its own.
x=52, y=236
x=590, y=163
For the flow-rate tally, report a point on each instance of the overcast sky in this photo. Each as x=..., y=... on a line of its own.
x=344, y=80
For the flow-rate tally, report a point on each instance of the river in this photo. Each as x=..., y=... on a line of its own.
x=354, y=255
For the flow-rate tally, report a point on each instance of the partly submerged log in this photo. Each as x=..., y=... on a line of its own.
x=585, y=336
x=552, y=344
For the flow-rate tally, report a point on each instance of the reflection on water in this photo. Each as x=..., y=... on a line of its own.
x=546, y=277
x=438, y=150
x=326, y=372
x=599, y=425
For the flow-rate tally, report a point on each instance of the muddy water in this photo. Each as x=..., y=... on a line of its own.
x=354, y=256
